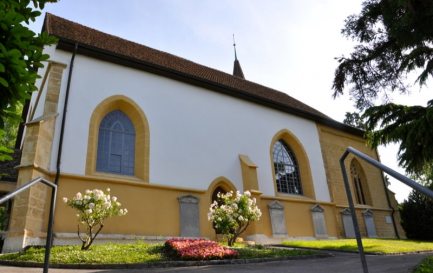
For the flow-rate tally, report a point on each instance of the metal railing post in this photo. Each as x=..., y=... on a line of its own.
x=52, y=207
x=353, y=212
x=409, y=182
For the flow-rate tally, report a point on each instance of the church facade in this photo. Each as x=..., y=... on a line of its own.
x=166, y=134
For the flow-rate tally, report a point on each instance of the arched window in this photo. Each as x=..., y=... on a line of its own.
x=286, y=169
x=116, y=144
x=218, y=190
x=359, y=183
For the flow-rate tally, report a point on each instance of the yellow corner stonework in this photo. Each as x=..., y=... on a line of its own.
x=333, y=144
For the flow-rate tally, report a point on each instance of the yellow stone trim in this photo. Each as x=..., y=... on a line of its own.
x=142, y=134
x=340, y=134
x=364, y=182
x=120, y=179
x=249, y=173
x=42, y=118
x=325, y=162
x=364, y=207
x=303, y=162
x=247, y=161
x=223, y=182
x=131, y=182
x=296, y=199
x=36, y=167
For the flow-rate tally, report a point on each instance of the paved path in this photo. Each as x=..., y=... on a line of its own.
x=342, y=262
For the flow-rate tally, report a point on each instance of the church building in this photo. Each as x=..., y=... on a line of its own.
x=166, y=134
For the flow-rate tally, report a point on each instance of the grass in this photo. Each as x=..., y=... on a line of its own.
x=381, y=246
x=138, y=252
x=426, y=266
x=259, y=252
x=97, y=254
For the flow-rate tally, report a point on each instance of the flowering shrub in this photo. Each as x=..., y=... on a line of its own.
x=93, y=208
x=198, y=249
x=232, y=214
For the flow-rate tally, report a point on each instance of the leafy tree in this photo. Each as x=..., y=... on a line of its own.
x=394, y=39
x=417, y=212
x=3, y=218
x=20, y=57
x=11, y=124
x=354, y=119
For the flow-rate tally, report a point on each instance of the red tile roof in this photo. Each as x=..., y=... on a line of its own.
x=112, y=48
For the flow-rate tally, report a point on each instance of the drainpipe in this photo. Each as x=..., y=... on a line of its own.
x=65, y=109
x=59, y=151
x=387, y=199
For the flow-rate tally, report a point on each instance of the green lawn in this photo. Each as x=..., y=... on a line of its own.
x=129, y=253
x=382, y=246
x=426, y=266
x=97, y=254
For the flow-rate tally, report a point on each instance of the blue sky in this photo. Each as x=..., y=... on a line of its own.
x=286, y=45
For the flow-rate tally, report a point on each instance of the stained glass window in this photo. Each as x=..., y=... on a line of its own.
x=116, y=144
x=286, y=169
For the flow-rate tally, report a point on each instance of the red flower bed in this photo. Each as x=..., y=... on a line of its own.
x=198, y=249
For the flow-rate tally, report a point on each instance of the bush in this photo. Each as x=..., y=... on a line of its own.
x=233, y=213
x=198, y=249
x=3, y=218
x=417, y=216
x=93, y=208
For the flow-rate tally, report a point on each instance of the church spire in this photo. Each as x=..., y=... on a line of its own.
x=237, y=70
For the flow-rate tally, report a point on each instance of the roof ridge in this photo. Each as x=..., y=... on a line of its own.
x=109, y=47
x=135, y=43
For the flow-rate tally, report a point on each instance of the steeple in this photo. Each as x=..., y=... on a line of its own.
x=237, y=69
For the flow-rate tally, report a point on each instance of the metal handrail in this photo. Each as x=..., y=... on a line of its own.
x=409, y=182
x=52, y=207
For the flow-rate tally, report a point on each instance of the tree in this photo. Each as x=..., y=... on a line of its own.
x=355, y=120
x=20, y=57
x=417, y=211
x=94, y=207
x=232, y=215
x=394, y=40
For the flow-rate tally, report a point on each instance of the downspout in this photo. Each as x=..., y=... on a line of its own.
x=59, y=151
x=387, y=199
x=65, y=110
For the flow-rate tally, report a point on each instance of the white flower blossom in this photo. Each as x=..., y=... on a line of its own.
x=234, y=212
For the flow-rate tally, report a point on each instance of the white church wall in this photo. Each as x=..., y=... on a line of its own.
x=196, y=135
